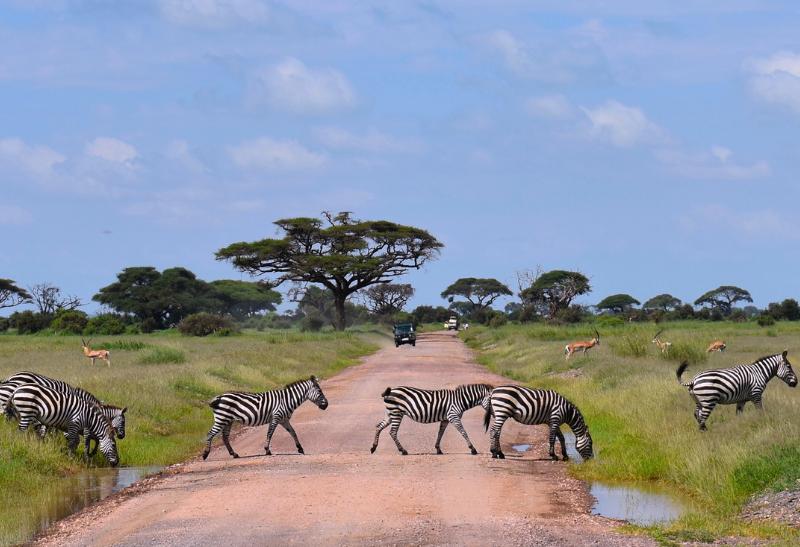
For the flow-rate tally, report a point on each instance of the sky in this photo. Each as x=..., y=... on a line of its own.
x=652, y=146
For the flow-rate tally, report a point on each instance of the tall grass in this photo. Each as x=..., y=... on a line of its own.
x=166, y=389
x=642, y=420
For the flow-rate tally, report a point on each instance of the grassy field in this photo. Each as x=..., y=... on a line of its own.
x=641, y=419
x=165, y=380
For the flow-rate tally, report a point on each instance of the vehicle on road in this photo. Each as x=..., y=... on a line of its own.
x=404, y=334
x=452, y=323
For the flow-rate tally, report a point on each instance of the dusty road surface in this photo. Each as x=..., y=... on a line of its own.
x=338, y=493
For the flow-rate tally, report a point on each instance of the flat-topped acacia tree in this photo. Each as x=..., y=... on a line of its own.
x=338, y=252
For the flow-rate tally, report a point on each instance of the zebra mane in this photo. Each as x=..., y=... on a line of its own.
x=299, y=382
x=466, y=386
x=766, y=358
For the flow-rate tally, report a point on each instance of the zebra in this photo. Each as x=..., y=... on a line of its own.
x=253, y=409
x=445, y=406
x=115, y=414
x=737, y=384
x=536, y=406
x=67, y=412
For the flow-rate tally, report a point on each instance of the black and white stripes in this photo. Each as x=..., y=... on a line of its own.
x=271, y=407
x=536, y=406
x=735, y=385
x=445, y=406
x=36, y=404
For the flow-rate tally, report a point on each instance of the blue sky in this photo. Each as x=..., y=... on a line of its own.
x=651, y=146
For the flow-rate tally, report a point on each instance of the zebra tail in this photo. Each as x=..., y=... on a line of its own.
x=386, y=392
x=487, y=417
x=681, y=370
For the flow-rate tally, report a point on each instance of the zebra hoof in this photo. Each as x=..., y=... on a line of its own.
x=554, y=457
x=205, y=454
x=439, y=452
x=235, y=455
x=372, y=450
x=474, y=452
x=565, y=458
x=300, y=450
x=501, y=455
x=267, y=452
x=404, y=453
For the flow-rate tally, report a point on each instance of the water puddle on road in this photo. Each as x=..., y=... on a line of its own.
x=521, y=447
x=73, y=493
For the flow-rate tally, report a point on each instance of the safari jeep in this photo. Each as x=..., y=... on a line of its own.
x=404, y=334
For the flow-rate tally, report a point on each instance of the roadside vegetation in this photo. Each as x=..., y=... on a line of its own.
x=165, y=380
x=642, y=420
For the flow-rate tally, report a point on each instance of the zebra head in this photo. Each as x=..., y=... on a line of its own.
x=315, y=395
x=583, y=444
x=785, y=371
x=118, y=422
x=108, y=446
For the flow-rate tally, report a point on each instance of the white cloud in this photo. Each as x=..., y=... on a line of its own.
x=371, y=141
x=113, y=150
x=11, y=215
x=715, y=164
x=37, y=160
x=179, y=151
x=512, y=51
x=762, y=224
x=266, y=153
x=291, y=85
x=776, y=79
x=549, y=106
x=622, y=125
x=214, y=13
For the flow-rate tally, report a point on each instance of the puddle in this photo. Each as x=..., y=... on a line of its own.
x=639, y=505
x=521, y=447
x=73, y=493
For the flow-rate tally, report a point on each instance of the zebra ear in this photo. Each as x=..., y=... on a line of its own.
x=124, y=410
x=785, y=353
x=314, y=378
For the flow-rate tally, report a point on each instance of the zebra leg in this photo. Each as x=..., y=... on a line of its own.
x=494, y=433
x=740, y=407
x=270, y=431
x=213, y=432
x=554, y=427
x=93, y=451
x=756, y=398
x=442, y=426
x=396, y=419
x=703, y=412
x=456, y=420
x=226, y=433
x=378, y=428
x=288, y=427
x=560, y=437
x=73, y=436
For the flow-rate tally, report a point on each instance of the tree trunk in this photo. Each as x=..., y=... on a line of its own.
x=341, y=320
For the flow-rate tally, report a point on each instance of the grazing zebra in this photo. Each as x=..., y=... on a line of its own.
x=737, y=385
x=445, y=406
x=67, y=412
x=272, y=407
x=115, y=414
x=536, y=406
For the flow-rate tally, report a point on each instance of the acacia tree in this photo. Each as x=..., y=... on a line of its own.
x=49, y=300
x=617, y=303
x=723, y=298
x=388, y=298
x=244, y=298
x=479, y=292
x=664, y=302
x=554, y=290
x=11, y=295
x=340, y=253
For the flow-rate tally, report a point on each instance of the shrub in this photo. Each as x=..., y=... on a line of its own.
x=685, y=351
x=69, y=322
x=203, y=324
x=609, y=321
x=161, y=355
x=498, y=320
x=28, y=322
x=312, y=323
x=765, y=320
x=630, y=345
x=573, y=314
x=122, y=344
x=105, y=323
x=148, y=325
x=4, y=324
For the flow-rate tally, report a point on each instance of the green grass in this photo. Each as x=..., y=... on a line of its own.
x=165, y=380
x=641, y=418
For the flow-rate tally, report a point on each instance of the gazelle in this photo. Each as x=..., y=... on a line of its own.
x=95, y=353
x=716, y=345
x=663, y=345
x=569, y=349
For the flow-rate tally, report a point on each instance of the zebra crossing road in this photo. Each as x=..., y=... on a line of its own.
x=340, y=494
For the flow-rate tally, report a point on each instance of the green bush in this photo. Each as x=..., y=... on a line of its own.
x=312, y=323
x=498, y=320
x=69, y=322
x=28, y=322
x=4, y=324
x=148, y=325
x=162, y=355
x=630, y=345
x=609, y=321
x=122, y=344
x=685, y=351
x=105, y=323
x=203, y=324
x=765, y=320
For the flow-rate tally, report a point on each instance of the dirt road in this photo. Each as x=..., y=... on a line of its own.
x=340, y=494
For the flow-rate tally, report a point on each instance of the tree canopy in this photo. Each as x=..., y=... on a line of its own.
x=723, y=298
x=665, y=302
x=388, y=298
x=243, y=299
x=11, y=295
x=479, y=292
x=338, y=252
x=554, y=290
x=617, y=303
x=49, y=299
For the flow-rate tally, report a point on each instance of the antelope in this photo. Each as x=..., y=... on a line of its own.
x=569, y=349
x=663, y=345
x=716, y=345
x=95, y=353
